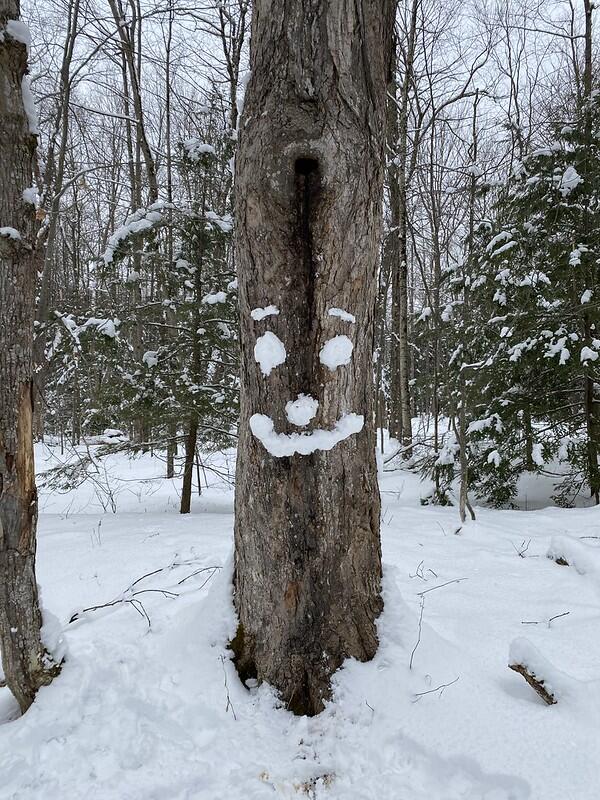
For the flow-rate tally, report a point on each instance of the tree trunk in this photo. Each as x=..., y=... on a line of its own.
x=436, y=255
x=51, y=199
x=308, y=195
x=171, y=449
x=398, y=110
x=127, y=38
x=188, y=469
x=53, y=190
x=592, y=424
x=464, y=381
x=528, y=433
x=591, y=401
x=26, y=664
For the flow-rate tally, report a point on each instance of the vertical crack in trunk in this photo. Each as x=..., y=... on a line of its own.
x=307, y=188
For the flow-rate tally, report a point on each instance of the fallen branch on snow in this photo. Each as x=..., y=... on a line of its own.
x=545, y=622
x=537, y=685
x=549, y=682
x=440, y=689
x=130, y=597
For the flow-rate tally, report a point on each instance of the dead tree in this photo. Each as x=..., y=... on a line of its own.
x=26, y=664
x=309, y=174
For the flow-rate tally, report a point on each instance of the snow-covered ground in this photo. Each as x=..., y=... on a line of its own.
x=149, y=707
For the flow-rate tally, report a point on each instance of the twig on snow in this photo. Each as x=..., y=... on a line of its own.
x=131, y=597
x=439, y=689
x=229, y=704
x=543, y=621
x=440, y=586
x=414, y=650
x=520, y=551
x=197, y=572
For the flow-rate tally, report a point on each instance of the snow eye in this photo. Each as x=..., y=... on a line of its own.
x=336, y=352
x=269, y=352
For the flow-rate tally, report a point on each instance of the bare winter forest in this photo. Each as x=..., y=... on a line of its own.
x=299, y=400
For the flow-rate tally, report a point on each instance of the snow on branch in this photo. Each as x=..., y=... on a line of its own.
x=140, y=221
x=107, y=327
x=567, y=551
x=7, y=232
x=196, y=148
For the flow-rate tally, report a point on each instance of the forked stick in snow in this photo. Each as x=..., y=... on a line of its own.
x=537, y=685
x=229, y=703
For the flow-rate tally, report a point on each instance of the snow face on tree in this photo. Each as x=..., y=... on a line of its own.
x=269, y=353
x=30, y=195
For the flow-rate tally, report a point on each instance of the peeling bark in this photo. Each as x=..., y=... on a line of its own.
x=26, y=664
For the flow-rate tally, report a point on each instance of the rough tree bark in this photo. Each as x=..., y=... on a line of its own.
x=26, y=664
x=309, y=174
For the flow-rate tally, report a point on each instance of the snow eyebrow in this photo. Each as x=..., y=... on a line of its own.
x=267, y=311
x=343, y=315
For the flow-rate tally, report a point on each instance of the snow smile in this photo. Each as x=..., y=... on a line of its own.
x=282, y=445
